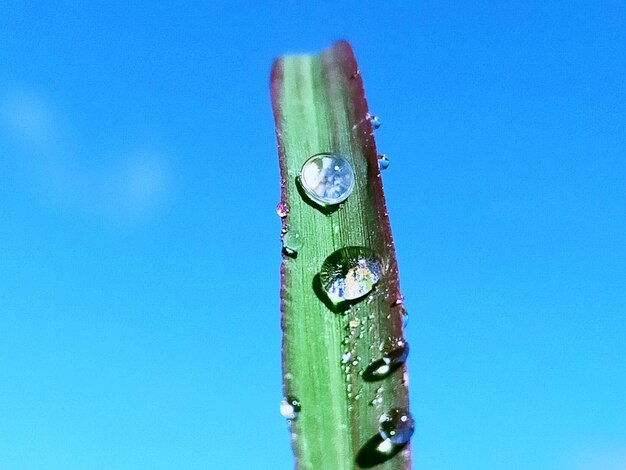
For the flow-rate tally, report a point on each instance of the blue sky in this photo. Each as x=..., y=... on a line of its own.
x=139, y=323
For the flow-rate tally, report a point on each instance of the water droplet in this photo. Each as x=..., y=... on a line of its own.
x=377, y=401
x=328, y=179
x=282, y=209
x=346, y=357
x=290, y=408
x=389, y=362
x=397, y=425
x=350, y=273
x=354, y=323
x=292, y=242
x=383, y=162
x=375, y=121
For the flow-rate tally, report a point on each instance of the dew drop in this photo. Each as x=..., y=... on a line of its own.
x=397, y=425
x=327, y=179
x=383, y=162
x=282, y=209
x=375, y=121
x=350, y=273
x=290, y=408
x=292, y=242
x=377, y=401
x=389, y=362
x=346, y=357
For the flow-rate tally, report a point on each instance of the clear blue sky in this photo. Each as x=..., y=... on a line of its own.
x=139, y=323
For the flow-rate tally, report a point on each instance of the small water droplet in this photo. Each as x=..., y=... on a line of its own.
x=282, y=209
x=389, y=362
x=377, y=401
x=354, y=323
x=346, y=357
x=383, y=162
x=328, y=179
x=375, y=121
x=290, y=408
x=397, y=425
x=350, y=273
x=292, y=242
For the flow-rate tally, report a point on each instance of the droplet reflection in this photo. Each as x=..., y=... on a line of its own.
x=383, y=162
x=282, y=209
x=350, y=274
x=397, y=425
x=391, y=360
x=290, y=408
x=292, y=242
x=327, y=179
x=375, y=121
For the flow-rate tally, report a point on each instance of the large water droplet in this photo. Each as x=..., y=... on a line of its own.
x=392, y=358
x=290, y=408
x=292, y=242
x=397, y=425
x=375, y=121
x=328, y=179
x=282, y=209
x=383, y=162
x=349, y=274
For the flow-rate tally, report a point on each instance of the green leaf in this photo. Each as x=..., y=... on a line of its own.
x=332, y=353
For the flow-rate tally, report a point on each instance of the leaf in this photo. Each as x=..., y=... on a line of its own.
x=333, y=354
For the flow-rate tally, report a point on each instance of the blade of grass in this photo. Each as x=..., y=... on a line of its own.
x=319, y=106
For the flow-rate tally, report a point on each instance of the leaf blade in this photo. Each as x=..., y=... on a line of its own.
x=319, y=106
